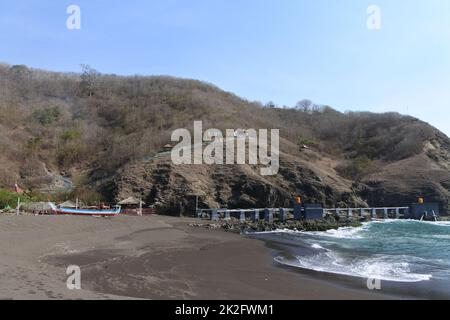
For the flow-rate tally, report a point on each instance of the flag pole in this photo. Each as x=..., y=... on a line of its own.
x=18, y=207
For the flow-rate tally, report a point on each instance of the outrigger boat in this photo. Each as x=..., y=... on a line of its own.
x=84, y=212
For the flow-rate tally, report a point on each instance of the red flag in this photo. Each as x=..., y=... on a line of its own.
x=17, y=189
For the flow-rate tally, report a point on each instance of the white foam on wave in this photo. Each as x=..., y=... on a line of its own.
x=441, y=236
x=344, y=232
x=341, y=233
x=275, y=231
x=437, y=223
x=400, y=221
x=379, y=267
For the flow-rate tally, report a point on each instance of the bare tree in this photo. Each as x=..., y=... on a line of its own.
x=89, y=78
x=304, y=105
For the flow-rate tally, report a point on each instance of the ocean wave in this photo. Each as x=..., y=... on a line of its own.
x=344, y=232
x=317, y=246
x=437, y=223
x=389, y=250
x=274, y=231
x=384, y=268
x=411, y=221
x=341, y=233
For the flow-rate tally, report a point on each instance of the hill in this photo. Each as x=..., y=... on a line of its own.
x=102, y=133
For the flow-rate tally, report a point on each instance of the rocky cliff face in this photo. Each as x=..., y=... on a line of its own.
x=173, y=189
x=426, y=174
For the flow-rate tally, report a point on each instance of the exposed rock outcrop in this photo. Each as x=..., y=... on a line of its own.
x=172, y=188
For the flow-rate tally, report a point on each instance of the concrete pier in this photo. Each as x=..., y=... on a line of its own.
x=256, y=215
x=268, y=215
x=297, y=211
x=242, y=216
x=350, y=212
x=312, y=212
x=374, y=213
x=215, y=215
x=282, y=215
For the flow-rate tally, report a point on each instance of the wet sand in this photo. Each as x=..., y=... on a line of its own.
x=152, y=257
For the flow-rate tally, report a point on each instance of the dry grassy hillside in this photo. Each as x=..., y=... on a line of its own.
x=94, y=129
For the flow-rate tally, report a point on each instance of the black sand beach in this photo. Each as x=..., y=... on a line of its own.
x=147, y=258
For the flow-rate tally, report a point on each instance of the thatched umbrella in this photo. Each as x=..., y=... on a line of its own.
x=131, y=201
x=68, y=204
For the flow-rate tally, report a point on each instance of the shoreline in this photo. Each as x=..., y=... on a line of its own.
x=154, y=257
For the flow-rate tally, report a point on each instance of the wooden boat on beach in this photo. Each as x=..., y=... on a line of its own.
x=84, y=212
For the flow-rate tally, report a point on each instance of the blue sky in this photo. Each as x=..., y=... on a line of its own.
x=279, y=50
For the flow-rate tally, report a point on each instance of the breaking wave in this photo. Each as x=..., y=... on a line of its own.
x=392, y=250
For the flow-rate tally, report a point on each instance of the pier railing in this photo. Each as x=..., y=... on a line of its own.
x=282, y=214
x=386, y=212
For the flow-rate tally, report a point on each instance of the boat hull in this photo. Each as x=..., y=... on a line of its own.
x=87, y=213
x=82, y=212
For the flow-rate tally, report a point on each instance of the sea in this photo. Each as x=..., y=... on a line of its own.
x=405, y=258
